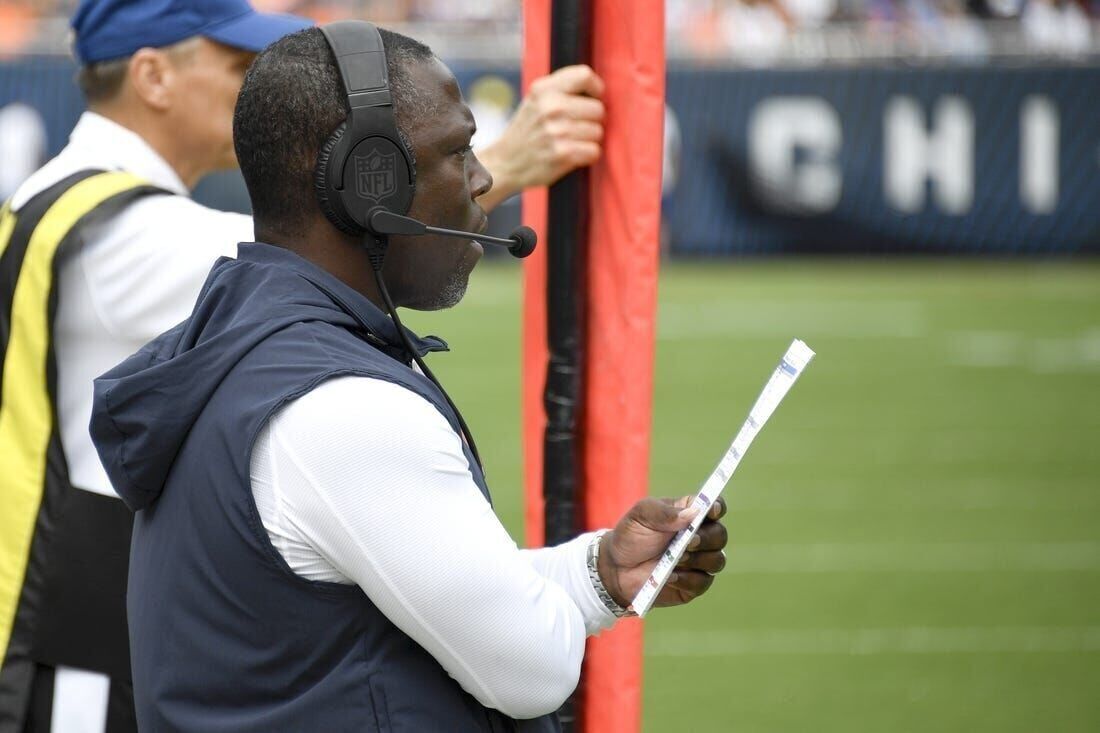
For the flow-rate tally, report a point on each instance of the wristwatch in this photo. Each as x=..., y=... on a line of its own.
x=594, y=576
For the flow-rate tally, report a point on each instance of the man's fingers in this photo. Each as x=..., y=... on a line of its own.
x=708, y=562
x=578, y=79
x=579, y=108
x=718, y=510
x=691, y=583
x=711, y=536
x=583, y=130
x=661, y=516
x=680, y=502
x=576, y=153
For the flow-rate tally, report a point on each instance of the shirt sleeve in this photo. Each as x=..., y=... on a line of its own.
x=567, y=565
x=144, y=267
x=374, y=479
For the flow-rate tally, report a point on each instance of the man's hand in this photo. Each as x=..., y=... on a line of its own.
x=629, y=552
x=558, y=127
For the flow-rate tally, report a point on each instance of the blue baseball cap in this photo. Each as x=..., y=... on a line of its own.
x=113, y=29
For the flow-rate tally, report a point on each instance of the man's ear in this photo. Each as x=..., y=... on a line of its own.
x=152, y=74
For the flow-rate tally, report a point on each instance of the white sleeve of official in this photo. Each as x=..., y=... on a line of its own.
x=144, y=267
x=369, y=478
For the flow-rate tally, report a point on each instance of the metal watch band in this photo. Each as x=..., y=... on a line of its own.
x=594, y=576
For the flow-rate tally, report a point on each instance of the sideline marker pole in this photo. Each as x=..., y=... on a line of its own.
x=619, y=305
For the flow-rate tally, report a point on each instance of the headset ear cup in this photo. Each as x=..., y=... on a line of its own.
x=325, y=194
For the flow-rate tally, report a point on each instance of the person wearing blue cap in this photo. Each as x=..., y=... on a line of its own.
x=103, y=249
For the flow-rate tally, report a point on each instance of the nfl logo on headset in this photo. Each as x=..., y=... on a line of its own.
x=374, y=175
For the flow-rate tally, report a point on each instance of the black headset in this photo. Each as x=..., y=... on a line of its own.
x=364, y=164
x=365, y=178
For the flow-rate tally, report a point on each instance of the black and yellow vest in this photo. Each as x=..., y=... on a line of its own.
x=63, y=552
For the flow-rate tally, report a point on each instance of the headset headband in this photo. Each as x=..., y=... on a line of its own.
x=361, y=58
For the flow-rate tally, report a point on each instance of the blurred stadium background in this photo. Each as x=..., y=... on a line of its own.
x=916, y=538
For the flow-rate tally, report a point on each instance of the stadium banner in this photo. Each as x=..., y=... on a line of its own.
x=971, y=160
x=619, y=286
x=976, y=160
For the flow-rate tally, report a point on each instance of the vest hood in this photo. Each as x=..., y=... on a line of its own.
x=144, y=408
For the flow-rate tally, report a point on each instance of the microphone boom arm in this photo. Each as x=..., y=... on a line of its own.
x=381, y=221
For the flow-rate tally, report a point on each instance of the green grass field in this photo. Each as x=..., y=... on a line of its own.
x=915, y=537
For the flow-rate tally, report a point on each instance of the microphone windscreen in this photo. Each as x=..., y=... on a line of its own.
x=525, y=240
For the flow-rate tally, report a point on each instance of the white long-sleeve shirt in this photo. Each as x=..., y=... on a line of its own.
x=363, y=481
x=133, y=278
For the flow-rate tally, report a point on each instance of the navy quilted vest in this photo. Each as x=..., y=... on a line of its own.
x=224, y=637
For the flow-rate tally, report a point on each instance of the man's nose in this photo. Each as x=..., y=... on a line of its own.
x=481, y=181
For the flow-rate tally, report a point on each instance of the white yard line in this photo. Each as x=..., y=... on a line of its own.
x=857, y=642
x=1009, y=349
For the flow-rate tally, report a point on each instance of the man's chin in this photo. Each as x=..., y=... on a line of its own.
x=453, y=293
x=447, y=297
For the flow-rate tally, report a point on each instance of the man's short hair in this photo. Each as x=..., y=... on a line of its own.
x=291, y=102
x=102, y=81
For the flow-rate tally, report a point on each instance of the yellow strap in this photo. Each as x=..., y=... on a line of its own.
x=26, y=415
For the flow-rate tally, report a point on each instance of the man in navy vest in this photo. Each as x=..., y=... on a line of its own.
x=160, y=78
x=315, y=547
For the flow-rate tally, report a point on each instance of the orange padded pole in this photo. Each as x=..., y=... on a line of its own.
x=620, y=313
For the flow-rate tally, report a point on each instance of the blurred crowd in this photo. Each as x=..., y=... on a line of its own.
x=760, y=29
x=744, y=30
x=24, y=23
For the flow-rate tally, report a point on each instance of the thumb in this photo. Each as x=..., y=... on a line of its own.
x=661, y=516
